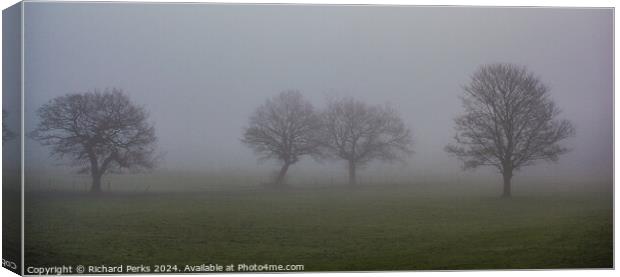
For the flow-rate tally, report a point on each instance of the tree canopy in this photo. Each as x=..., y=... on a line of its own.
x=98, y=132
x=509, y=122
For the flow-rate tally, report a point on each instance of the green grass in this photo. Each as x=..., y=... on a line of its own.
x=395, y=227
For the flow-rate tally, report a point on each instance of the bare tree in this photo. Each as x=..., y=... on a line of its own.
x=99, y=132
x=359, y=133
x=6, y=133
x=509, y=122
x=284, y=128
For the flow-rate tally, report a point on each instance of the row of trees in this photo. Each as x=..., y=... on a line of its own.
x=287, y=127
x=509, y=122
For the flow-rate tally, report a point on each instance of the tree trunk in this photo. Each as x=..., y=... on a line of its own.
x=282, y=174
x=507, y=189
x=95, y=172
x=352, y=177
x=96, y=186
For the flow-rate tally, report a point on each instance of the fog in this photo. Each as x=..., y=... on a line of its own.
x=201, y=70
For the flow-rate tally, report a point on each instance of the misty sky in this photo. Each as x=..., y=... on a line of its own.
x=201, y=70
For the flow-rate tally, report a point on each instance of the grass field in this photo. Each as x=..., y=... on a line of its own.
x=397, y=227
